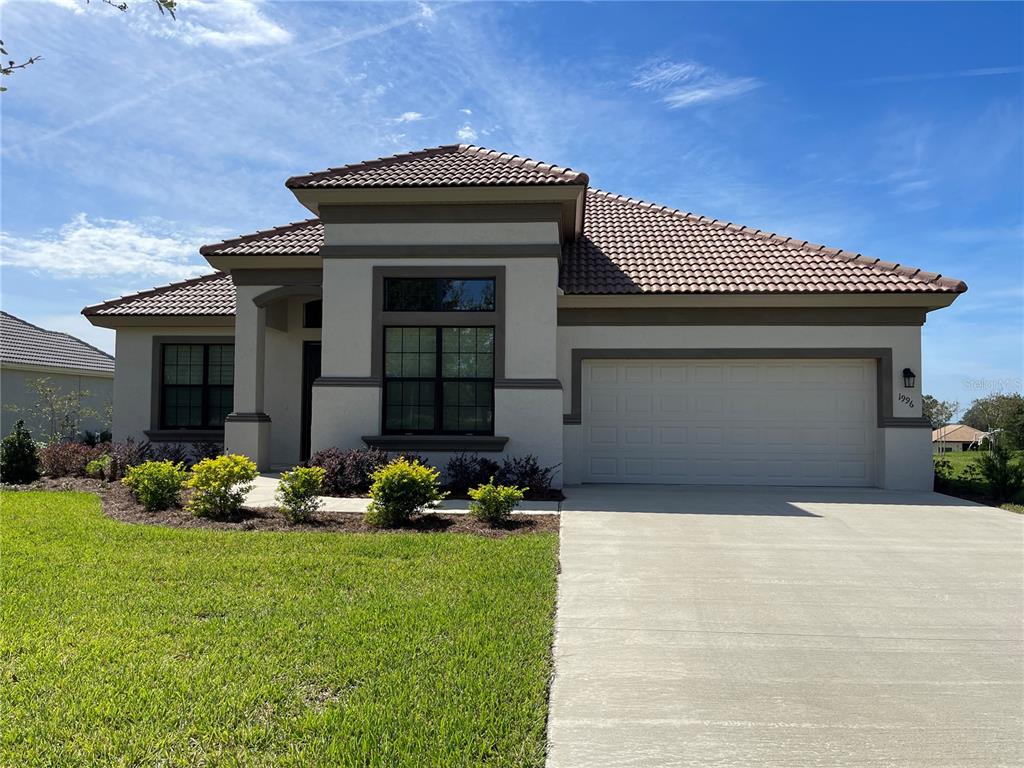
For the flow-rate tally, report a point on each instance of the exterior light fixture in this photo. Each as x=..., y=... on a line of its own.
x=909, y=377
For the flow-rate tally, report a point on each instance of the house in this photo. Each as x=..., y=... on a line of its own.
x=956, y=437
x=29, y=354
x=462, y=299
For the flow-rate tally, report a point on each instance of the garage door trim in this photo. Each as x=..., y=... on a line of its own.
x=883, y=370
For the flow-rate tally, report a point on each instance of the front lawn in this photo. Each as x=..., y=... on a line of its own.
x=141, y=645
x=966, y=481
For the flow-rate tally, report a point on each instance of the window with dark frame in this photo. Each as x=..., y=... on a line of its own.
x=439, y=380
x=313, y=314
x=196, y=385
x=439, y=294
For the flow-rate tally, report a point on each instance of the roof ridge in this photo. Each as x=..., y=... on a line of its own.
x=278, y=230
x=93, y=309
x=838, y=254
x=387, y=160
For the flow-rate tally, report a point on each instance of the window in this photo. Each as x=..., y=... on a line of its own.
x=313, y=314
x=197, y=385
x=436, y=294
x=439, y=380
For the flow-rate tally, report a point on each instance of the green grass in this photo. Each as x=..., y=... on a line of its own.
x=135, y=645
x=966, y=484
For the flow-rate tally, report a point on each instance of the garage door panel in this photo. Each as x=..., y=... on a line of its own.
x=741, y=422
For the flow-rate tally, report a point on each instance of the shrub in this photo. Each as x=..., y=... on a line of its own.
x=1005, y=475
x=347, y=473
x=125, y=455
x=527, y=473
x=174, y=452
x=67, y=459
x=100, y=467
x=219, y=485
x=156, y=484
x=493, y=504
x=19, y=460
x=205, y=449
x=943, y=473
x=468, y=470
x=298, y=491
x=400, y=490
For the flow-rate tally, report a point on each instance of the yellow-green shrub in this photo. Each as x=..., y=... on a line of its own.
x=298, y=492
x=493, y=504
x=400, y=490
x=156, y=484
x=219, y=485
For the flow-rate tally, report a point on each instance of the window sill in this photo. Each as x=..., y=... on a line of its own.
x=184, y=435
x=486, y=443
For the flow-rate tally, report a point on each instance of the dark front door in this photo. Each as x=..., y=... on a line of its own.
x=310, y=373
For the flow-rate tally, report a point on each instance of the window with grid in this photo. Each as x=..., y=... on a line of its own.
x=197, y=385
x=439, y=380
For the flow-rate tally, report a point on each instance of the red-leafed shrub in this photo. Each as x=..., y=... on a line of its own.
x=68, y=459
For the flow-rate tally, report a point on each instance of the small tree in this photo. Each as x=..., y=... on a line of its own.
x=60, y=414
x=19, y=462
x=938, y=412
x=1005, y=475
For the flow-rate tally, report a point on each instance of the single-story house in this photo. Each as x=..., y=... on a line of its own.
x=956, y=437
x=463, y=299
x=28, y=354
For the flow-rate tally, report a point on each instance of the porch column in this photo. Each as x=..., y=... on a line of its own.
x=247, y=427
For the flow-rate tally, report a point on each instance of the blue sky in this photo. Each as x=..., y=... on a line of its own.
x=890, y=129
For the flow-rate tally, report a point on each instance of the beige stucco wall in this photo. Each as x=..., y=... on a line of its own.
x=17, y=397
x=903, y=464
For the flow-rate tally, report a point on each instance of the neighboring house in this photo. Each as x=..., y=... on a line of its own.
x=29, y=353
x=956, y=437
x=460, y=299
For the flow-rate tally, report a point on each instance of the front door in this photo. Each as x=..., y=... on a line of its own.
x=310, y=373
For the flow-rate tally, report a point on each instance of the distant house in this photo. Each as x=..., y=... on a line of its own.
x=956, y=437
x=29, y=353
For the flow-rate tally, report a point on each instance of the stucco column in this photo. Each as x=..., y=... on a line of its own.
x=247, y=427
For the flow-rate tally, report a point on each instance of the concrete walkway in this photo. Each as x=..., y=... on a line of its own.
x=786, y=627
x=262, y=495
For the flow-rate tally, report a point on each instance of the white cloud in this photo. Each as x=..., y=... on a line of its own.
x=107, y=248
x=466, y=111
x=408, y=117
x=466, y=133
x=924, y=76
x=220, y=23
x=687, y=83
x=71, y=5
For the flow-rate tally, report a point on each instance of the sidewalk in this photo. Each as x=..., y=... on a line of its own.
x=262, y=495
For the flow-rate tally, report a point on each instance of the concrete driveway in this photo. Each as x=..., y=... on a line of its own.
x=704, y=626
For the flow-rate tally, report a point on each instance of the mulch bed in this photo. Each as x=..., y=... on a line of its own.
x=119, y=504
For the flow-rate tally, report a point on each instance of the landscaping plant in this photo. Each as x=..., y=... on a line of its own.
x=468, y=470
x=1004, y=472
x=156, y=484
x=527, y=473
x=298, y=493
x=219, y=485
x=400, y=490
x=19, y=460
x=67, y=459
x=347, y=473
x=493, y=504
x=100, y=467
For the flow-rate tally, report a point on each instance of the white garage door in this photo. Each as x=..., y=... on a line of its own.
x=735, y=422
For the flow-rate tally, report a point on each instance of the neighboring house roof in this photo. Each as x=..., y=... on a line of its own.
x=26, y=344
x=956, y=433
x=207, y=295
x=451, y=165
x=627, y=246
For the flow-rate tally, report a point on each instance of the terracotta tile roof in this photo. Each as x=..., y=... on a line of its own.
x=209, y=295
x=300, y=238
x=22, y=342
x=452, y=165
x=629, y=246
x=956, y=433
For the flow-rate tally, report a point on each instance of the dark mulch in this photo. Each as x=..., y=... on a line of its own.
x=118, y=503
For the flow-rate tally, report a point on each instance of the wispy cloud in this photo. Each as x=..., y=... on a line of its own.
x=408, y=117
x=110, y=248
x=220, y=23
x=687, y=83
x=923, y=76
x=466, y=133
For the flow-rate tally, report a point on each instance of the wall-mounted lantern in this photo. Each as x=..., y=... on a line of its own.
x=909, y=377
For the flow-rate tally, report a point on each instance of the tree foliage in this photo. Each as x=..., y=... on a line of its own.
x=58, y=414
x=939, y=412
x=1003, y=412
